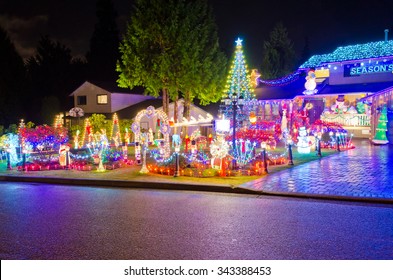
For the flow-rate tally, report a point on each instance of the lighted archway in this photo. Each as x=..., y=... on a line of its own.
x=151, y=112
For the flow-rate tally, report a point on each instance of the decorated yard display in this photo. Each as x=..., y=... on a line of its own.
x=310, y=84
x=304, y=142
x=9, y=142
x=64, y=155
x=330, y=133
x=115, y=136
x=219, y=150
x=380, y=134
x=150, y=112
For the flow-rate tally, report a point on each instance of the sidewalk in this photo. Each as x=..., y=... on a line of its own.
x=362, y=174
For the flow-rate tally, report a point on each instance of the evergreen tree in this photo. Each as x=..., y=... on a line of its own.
x=238, y=85
x=380, y=134
x=50, y=73
x=204, y=64
x=12, y=81
x=278, y=54
x=104, y=44
x=306, y=54
x=172, y=48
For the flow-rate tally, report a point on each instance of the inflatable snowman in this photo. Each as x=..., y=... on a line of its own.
x=303, y=144
x=310, y=84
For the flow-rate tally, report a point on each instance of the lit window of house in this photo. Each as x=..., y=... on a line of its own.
x=82, y=100
x=102, y=99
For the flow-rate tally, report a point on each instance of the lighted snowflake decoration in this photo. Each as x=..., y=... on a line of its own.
x=135, y=128
x=150, y=111
x=219, y=148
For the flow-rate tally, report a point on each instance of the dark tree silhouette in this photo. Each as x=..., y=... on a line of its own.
x=52, y=74
x=104, y=44
x=278, y=54
x=12, y=81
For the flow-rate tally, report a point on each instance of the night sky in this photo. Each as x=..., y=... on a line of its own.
x=327, y=24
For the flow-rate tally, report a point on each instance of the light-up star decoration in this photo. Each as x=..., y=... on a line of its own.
x=239, y=42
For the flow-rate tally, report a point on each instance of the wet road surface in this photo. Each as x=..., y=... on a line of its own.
x=41, y=221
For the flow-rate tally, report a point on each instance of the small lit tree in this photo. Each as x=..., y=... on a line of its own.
x=380, y=134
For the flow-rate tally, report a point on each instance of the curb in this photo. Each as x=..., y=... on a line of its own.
x=132, y=184
x=190, y=187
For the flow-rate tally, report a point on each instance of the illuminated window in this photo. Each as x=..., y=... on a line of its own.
x=81, y=100
x=102, y=99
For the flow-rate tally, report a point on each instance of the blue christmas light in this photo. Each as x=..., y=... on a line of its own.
x=282, y=81
x=352, y=52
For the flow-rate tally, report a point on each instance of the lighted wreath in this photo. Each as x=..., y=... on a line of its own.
x=150, y=111
x=309, y=106
x=135, y=128
x=165, y=129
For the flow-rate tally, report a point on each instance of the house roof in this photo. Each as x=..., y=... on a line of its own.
x=352, y=52
x=353, y=88
x=296, y=88
x=131, y=111
x=288, y=91
x=114, y=88
x=111, y=87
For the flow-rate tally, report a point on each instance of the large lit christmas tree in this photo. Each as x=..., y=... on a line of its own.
x=380, y=134
x=238, y=88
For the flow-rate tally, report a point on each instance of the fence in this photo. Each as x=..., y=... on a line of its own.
x=347, y=119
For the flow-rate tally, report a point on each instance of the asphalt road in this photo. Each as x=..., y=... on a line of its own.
x=39, y=221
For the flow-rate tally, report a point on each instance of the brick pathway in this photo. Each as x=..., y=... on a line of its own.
x=364, y=172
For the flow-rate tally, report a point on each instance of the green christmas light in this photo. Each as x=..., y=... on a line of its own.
x=352, y=52
x=239, y=82
x=380, y=134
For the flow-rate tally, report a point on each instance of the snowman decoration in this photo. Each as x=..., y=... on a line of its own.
x=303, y=144
x=339, y=107
x=310, y=84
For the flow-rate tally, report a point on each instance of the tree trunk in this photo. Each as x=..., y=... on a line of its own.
x=175, y=112
x=186, y=110
x=187, y=106
x=164, y=100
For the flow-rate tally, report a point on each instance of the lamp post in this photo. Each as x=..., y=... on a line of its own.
x=290, y=158
x=234, y=107
x=177, y=171
x=338, y=141
x=8, y=160
x=319, y=137
x=263, y=146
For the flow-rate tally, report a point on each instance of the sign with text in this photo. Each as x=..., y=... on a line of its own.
x=358, y=69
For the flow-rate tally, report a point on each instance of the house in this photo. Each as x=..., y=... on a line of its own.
x=105, y=98
x=331, y=87
x=199, y=118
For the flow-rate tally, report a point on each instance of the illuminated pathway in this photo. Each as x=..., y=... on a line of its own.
x=364, y=172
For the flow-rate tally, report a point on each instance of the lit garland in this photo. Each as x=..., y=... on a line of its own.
x=198, y=157
x=282, y=81
x=352, y=52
